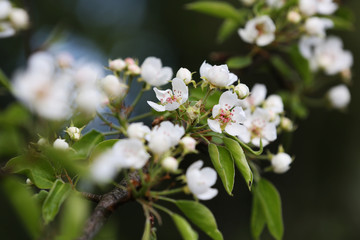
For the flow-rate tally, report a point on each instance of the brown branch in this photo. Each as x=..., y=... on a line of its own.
x=107, y=205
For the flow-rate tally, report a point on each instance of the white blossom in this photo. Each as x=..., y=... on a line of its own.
x=260, y=30
x=218, y=76
x=188, y=143
x=339, y=96
x=200, y=181
x=316, y=26
x=307, y=45
x=60, y=144
x=311, y=7
x=258, y=125
x=89, y=99
x=256, y=96
x=184, y=74
x=6, y=30
x=74, y=133
x=87, y=75
x=134, y=69
x=227, y=116
x=164, y=136
x=242, y=90
x=5, y=9
x=171, y=100
x=104, y=169
x=154, y=73
x=65, y=60
x=275, y=106
x=19, y=18
x=170, y=164
x=330, y=56
x=117, y=64
x=281, y=162
x=43, y=91
x=130, y=153
x=138, y=130
x=113, y=87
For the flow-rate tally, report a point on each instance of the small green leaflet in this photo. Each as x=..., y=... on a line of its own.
x=268, y=207
x=54, y=199
x=217, y=9
x=87, y=142
x=239, y=62
x=224, y=165
x=184, y=228
x=240, y=160
x=201, y=216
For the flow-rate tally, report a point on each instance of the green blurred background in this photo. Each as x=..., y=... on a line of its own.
x=321, y=192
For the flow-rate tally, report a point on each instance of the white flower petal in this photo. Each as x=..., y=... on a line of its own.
x=156, y=107
x=214, y=125
x=209, y=194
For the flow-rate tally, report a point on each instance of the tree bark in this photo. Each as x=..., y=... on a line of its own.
x=106, y=206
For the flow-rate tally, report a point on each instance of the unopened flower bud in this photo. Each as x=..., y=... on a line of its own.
x=339, y=96
x=19, y=18
x=188, y=143
x=134, y=69
x=29, y=182
x=117, y=64
x=286, y=124
x=281, y=162
x=184, y=74
x=74, y=133
x=129, y=61
x=42, y=142
x=242, y=90
x=170, y=164
x=293, y=16
x=193, y=111
x=61, y=144
x=112, y=86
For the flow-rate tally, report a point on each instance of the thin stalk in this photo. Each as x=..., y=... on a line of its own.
x=107, y=122
x=141, y=116
x=168, y=192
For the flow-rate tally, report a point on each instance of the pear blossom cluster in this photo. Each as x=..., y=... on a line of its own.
x=12, y=19
x=54, y=86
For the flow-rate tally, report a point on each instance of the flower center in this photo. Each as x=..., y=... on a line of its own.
x=225, y=116
x=257, y=127
x=260, y=28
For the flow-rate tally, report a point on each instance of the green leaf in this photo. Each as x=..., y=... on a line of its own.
x=41, y=196
x=239, y=62
x=301, y=65
x=201, y=216
x=216, y=9
x=269, y=199
x=24, y=204
x=55, y=198
x=341, y=24
x=15, y=115
x=74, y=216
x=102, y=147
x=224, y=165
x=228, y=27
x=35, y=167
x=184, y=228
x=147, y=230
x=258, y=220
x=87, y=143
x=240, y=160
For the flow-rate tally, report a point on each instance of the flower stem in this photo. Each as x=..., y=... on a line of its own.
x=168, y=192
x=107, y=122
x=141, y=116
